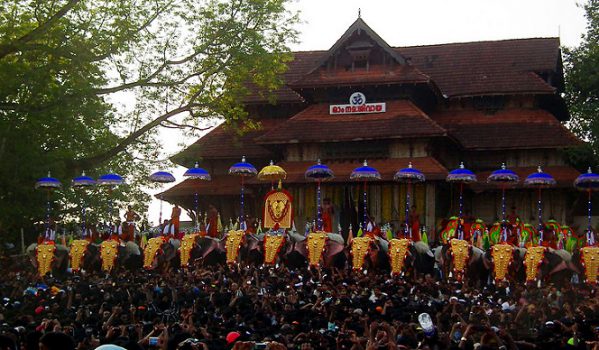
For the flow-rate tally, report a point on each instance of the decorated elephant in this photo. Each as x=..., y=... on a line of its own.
x=317, y=246
x=410, y=258
x=48, y=257
x=470, y=262
x=116, y=254
x=84, y=255
x=160, y=252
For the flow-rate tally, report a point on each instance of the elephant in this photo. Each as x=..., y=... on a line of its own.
x=477, y=267
x=161, y=253
x=60, y=260
x=334, y=253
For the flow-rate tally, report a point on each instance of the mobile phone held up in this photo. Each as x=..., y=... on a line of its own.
x=153, y=341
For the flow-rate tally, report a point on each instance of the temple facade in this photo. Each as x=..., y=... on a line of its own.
x=481, y=103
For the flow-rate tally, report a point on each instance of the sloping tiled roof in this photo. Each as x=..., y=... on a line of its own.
x=405, y=74
x=220, y=185
x=432, y=169
x=505, y=129
x=225, y=143
x=460, y=69
x=488, y=67
x=314, y=124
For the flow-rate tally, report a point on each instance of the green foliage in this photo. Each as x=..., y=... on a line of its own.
x=582, y=89
x=85, y=85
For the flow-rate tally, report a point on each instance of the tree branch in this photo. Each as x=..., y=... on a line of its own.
x=35, y=33
x=91, y=162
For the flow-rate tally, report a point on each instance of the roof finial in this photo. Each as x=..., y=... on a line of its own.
x=359, y=12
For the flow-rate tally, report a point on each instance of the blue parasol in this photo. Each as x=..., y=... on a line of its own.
x=409, y=175
x=588, y=182
x=365, y=173
x=83, y=182
x=49, y=184
x=539, y=180
x=162, y=177
x=110, y=180
x=197, y=173
x=462, y=176
x=243, y=169
x=319, y=172
x=503, y=177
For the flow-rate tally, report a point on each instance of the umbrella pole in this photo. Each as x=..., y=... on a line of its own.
x=160, y=214
x=48, y=209
x=319, y=222
x=540, y=214
x=503, y=222
x=460, y=233
x=110, y=228
x=196, y=203
x=589, y=226
x=241, y=214
x=365, y=207
x=83, y=231
x=407, y=231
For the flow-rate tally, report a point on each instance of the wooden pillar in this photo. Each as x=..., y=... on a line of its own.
x=429, y=214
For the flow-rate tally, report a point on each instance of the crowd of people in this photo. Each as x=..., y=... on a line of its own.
x=239, y=307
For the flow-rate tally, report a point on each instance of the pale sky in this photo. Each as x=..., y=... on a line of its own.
x=424, y=22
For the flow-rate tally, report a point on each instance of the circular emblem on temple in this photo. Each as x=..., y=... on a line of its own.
x=357, y=99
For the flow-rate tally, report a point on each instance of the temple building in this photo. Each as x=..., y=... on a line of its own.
x=482, y=103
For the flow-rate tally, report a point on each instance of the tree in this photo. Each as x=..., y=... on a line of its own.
x=582, y=89
x=85, y=85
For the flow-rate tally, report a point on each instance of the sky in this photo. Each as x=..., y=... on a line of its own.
x=421, y=22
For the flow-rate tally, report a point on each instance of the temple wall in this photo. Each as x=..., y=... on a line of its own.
x=403, y=149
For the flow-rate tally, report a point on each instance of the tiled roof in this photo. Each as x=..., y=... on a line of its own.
x=222, y=142
x=222, y=185
x=488, y=67
x=563, y=175
x=432, y=169
x=314, y=124
x=400, y=74
x=505, y=129
x=460, y=69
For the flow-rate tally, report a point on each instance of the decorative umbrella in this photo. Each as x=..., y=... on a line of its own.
x=49, y=184
x=539, y=180
x=83, y=182
x=162, y=177
x=409, y=175
x=319, y=173
x=588, y=182
x=110, y=181
x=197, y=173
x=462, y=176
x=243, y=169
x=365, y=173
x=272, y=173
x=503, y=177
